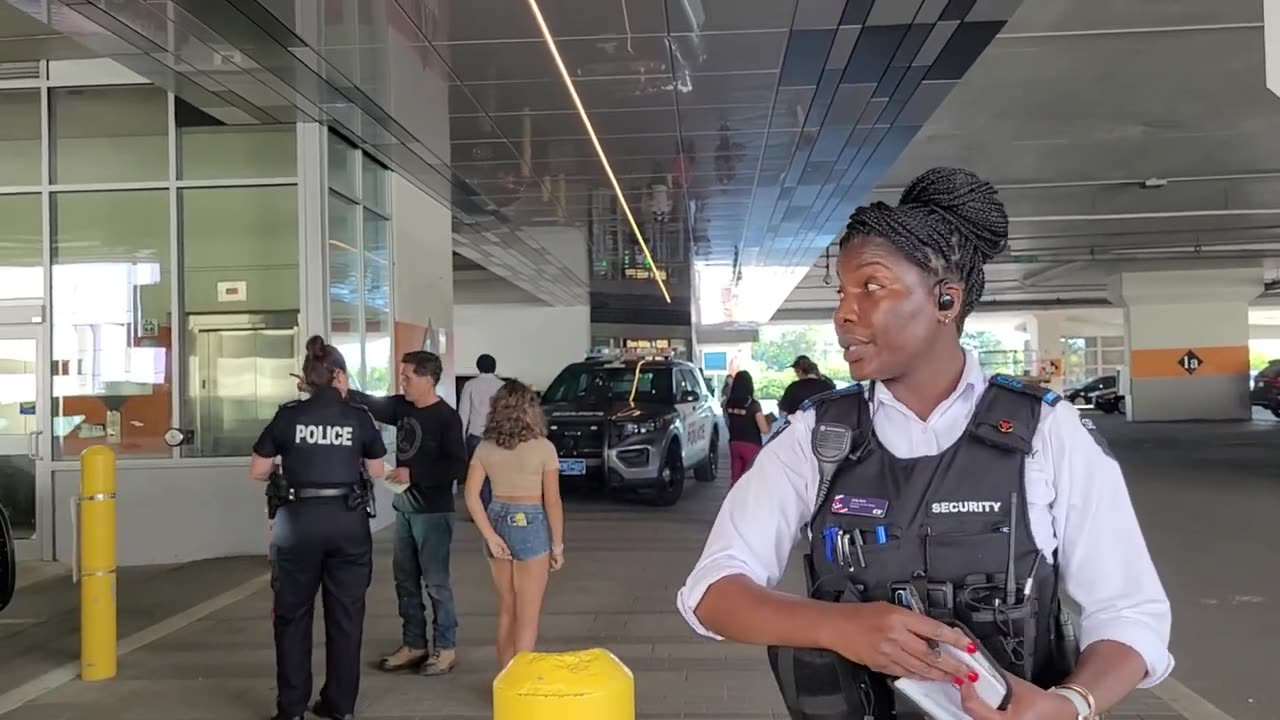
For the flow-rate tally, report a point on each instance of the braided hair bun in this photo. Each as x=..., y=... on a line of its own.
x=948, y=222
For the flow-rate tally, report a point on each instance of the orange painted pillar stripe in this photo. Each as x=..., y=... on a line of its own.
x=1169, y=362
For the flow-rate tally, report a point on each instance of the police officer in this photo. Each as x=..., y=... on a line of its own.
x=931, y=485
x=320, y=537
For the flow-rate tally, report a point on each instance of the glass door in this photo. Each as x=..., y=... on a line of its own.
x=22, y=441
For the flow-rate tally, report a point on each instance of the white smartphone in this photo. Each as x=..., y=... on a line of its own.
x=940, y=700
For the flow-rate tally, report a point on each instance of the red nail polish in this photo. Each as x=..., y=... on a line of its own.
x=973, y=677
x=972, y=648
x=958, y=682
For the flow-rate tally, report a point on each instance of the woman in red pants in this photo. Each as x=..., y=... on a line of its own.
x=747, y=425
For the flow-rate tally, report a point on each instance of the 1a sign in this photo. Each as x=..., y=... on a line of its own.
x=1190, y=362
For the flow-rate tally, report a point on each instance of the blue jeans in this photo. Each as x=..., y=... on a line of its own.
x=422, y=554
x=486, y=493
x=523, y=527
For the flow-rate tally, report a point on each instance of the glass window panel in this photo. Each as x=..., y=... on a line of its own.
x=20, y=137
x=344, y=167
x=377, y=304
x=241, y=296
x=1112, y=342
x=213, y=150
x=373, y=188
x=111, y=322
x=344, y=284
x=21, y=247
x=1112, y=357
x=1091, y=342
x=110, y=134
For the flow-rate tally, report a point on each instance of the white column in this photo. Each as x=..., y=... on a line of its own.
x=1187, y=334
x=1045, y=329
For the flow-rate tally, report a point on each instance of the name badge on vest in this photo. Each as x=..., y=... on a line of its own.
x=862, y=506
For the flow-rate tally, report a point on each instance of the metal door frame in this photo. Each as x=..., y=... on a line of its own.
x=39, y=444
x=201, y=323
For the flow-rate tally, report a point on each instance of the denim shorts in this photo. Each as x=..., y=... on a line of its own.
x=523, y=527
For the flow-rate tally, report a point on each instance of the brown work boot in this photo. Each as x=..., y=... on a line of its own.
x=404, y=658
x=440, y=663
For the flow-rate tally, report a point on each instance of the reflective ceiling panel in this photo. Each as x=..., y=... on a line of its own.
x=768, y=120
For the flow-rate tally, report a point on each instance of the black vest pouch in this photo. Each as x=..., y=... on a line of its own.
x=822, y=685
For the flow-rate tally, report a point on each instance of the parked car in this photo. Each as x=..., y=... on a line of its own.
x=1265, y=391
x=634, y=425
x=1084, y=394
x=1109, y=401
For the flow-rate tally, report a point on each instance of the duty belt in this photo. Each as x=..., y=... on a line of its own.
x=314, y=492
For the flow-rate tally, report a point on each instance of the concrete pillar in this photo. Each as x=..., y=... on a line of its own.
x=1187, y=334
x=1046, y=330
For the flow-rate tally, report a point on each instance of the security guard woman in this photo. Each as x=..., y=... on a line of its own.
x=321, y=537
x=930, y=485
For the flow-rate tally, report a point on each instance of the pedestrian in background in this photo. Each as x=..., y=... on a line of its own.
x=747, y=425
x=474, y=405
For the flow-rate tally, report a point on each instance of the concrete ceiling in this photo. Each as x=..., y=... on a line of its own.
x=1071, y=108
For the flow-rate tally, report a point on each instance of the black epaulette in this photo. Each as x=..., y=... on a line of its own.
x=854, y=389
x=290, y=404
x=1048, y=396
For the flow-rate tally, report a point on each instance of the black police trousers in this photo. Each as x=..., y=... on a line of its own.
x=319, y=544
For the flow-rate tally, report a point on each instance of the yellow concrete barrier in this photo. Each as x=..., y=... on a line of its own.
x=579, y=685
x=97, y=563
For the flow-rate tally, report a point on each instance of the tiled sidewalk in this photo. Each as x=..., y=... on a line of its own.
x=625, y=563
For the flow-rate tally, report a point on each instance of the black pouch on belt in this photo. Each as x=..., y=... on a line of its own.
x=1007, y=631
x=819, y=684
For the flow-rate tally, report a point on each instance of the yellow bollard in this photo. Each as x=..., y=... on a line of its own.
x=97, y=563
x=581, y=685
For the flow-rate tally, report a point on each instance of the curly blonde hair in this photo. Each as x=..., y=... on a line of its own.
x=515, y=416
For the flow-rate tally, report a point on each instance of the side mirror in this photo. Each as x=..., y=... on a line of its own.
x=690, y=396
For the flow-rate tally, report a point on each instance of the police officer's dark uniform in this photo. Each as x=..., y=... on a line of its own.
x=321, y=538
x=954, y=557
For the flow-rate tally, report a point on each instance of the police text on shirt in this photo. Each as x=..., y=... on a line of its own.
x=323, y=434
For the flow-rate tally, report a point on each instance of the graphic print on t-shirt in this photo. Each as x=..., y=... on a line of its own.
x=408, y=438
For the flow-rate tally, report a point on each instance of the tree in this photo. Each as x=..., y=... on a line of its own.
x=780, y=351
x=979, y=341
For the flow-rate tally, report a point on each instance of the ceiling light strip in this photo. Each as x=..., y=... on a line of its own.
x=591, y=132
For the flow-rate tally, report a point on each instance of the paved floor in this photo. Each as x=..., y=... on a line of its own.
x=1205, y=494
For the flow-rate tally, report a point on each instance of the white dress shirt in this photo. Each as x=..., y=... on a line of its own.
x=477, y=398
x=1076, y=496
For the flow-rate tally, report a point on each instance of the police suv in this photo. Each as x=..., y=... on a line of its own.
x=634, y=424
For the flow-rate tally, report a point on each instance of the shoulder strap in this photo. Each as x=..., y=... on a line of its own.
x=847, y=407
x=1009, y=413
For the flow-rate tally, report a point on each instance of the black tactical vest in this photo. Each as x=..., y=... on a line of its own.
x=940, y=526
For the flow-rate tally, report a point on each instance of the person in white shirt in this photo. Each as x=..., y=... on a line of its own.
x=474, y=406
x=908, y=276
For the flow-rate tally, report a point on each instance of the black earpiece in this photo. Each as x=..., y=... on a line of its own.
x=946, y=301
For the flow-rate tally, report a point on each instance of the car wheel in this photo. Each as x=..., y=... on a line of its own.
x=670, y=483
x=706, y=470
x=1120, y=406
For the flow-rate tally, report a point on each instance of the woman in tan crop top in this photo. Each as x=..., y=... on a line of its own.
x=523, y=527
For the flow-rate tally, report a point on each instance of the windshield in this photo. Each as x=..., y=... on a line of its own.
x=588, y=383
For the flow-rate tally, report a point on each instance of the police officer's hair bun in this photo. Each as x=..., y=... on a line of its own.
x=322, y=362
x=948, y=222
x=316, y=347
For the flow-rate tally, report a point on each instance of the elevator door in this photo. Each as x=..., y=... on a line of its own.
x=243, y=376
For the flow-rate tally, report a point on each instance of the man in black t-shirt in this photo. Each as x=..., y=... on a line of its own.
x=810, y=382
x=430, y=458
